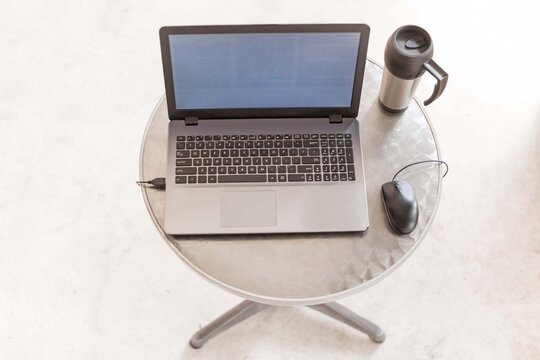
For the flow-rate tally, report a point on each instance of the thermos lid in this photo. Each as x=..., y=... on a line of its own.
x=407, y=50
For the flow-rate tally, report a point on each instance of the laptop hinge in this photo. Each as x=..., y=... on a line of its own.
x=336, y=119
x=192, y=121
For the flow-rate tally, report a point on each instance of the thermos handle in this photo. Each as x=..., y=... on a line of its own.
x=441, y=76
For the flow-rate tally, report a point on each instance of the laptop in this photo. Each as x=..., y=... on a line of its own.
x=263, y=136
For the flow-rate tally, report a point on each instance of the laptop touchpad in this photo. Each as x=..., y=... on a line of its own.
x=248, y=208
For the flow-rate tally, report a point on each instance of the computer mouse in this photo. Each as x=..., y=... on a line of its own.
x=400, y=205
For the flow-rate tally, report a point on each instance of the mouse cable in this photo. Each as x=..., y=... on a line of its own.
x=422, y=162
x=157, y=183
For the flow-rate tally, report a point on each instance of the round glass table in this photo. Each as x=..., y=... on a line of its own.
x=312, y=269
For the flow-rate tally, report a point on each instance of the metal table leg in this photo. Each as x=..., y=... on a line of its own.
x=341, y=313
x=248, y=308
x=232, y=317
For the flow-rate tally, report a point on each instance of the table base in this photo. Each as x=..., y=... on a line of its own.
x=248, y=308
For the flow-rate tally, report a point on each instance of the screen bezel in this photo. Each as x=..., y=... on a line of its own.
x=181, y=114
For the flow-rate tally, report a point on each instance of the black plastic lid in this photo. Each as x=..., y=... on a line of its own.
x=407, y=50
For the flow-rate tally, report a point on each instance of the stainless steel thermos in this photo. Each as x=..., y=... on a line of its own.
x=408, y=54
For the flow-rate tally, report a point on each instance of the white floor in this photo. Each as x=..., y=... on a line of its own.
x=85, y=275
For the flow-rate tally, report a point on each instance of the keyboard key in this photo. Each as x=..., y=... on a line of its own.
x=326, y=177
x=182, y=154
x=198, y=138
x=348, y=136
x=246, y=161
x=305, y=136
x=281, y=169
x=303, y=152
x=222, y=170
x=231, y=170
x=197, y=162
x=318, y=177
x=201, y=179
x=242, y=170
x=191, y=138
x=192, y=179
x=181, y=138
x=311, y=160
x=202, y=170
x=297, y=177
x=180, y=179
x=339, y=136
x=296, y=160
x=261, y=169
x=286, y=160
x=186, y=171
x=291, y=169
x=342, y=177
x=272, y=178
x=305, y=169
x=212, y=170
x=282, y=178
x=212, y=179
x=348, y=143
x=267, y=161
x=252, y=169
x=309, y=177
x=180, y=145
x=241, y=178
x=311, y=143
x=184, y=162
x=272, y=169
x=349, y=155
x=314, y=152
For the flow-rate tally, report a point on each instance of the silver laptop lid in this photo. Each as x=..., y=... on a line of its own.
x=263, y=71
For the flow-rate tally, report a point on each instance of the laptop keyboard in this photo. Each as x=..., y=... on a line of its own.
x=274, y=158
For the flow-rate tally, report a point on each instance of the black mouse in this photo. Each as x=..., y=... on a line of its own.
x=400, y=205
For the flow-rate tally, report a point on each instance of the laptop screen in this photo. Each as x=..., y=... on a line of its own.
x=264, y=70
